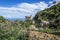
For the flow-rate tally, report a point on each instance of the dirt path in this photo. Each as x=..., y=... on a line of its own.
x=34, y=35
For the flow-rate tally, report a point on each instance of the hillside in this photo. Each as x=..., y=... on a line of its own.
x=45, y=26
x=49, y=13
x=52, y=15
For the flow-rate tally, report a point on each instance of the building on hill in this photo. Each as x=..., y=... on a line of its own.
x=28, y=17
x=43, y=24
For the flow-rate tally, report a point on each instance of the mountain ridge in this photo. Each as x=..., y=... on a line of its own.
x=52, y=15
x=54, y=9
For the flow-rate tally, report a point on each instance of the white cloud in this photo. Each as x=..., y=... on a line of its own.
x=23, y=9
x=51, y=2
x=57, y=1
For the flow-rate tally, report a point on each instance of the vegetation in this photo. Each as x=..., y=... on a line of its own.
x=52, y=15
x=12, y=30
x=19, y=30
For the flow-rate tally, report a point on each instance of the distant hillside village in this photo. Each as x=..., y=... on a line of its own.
x=28, y=17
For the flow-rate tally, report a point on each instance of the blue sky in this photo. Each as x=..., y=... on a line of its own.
x=14, y=2
x=22, y=8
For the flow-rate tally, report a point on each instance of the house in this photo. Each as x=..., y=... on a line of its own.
x=28, y=17
x=44, y=23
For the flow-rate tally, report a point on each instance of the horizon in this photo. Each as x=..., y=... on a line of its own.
x=21, y=8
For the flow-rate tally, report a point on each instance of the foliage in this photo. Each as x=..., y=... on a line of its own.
x=15, y=30
x=12, y=30
x=2, y=19
x=27, y=23
x=49, y=14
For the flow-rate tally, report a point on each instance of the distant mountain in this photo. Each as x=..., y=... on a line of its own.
x=22, y=19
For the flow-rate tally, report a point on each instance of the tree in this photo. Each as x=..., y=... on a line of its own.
x=2, y=19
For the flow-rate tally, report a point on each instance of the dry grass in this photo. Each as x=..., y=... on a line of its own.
x=34, y=35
